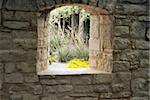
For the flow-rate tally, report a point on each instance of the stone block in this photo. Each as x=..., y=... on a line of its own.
x=8, y=15
x=102, y=78
x=144, y=63
x=141, y=44
x=25, y=43
x=5, y=35
x=119, y=66
x=86, y=98
x=122, y=21
x=138, y=30
x=31, y=78
x=121, y=43
x=1, y=67
x=64, y=88
x=131, y=9
x=139, y=87
x=26, y=67
x=139, y=98
x=86, y=79
x=37, y=89
x=1, y=84
x=5, y=44
x=134, y=1
x=141, y=73
x=27, y=96
x=1, y=2
x=50, y=97
x=10, y=67
x=23, y=5
x=121, y=77
x=83, y=88
x=16, y=24
x=121, y=31
x=148, y=34
x=24, y=34
x=94, y=27
x=48, y=81
x=93, y=62
x=16, y=97
x=102, y=88
x=14, y=78
x=105, y=19
x=94, y=44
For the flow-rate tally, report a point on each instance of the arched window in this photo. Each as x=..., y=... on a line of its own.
x=100, y=43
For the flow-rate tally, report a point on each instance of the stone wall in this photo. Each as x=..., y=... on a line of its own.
x=18, y=47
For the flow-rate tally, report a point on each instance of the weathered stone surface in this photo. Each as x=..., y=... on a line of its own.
x=14, y=78
x=102, y=88
x=24, y=34
x=81, y=79
x=25, y=43
x=24, y=5
x=122, y=31
x=94, y=44
x=0, y=17
x=121, y=66
x=141, y=44
x=102, y=78
x=50, y=97
x=5, y=44
x=121, y=77
x=141, y=73
x=138, y=30
x=134, y=1
x=86, y=98
x=1, y=2
x=31, y=78
x=148, y=34
x=121, y=43
x=16, y=97
x=1, y=67
x=131, y=9
x=144, y=63
x=10, y=67
x=83, y=89
x=0, y=84
x=38, y=89
x=139, y=98
x=27, y=96
x=16, y=25
x=26, y=67
x=64, y=88
x=139, y=87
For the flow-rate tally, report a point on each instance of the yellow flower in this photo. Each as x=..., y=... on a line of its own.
x=78, y=63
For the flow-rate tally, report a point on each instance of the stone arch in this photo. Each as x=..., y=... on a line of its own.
x=100, y=45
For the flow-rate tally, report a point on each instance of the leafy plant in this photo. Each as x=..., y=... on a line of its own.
x=82, y=52
x=56, y=42
x=64, y=54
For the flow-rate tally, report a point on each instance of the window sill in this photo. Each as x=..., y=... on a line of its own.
x=61, y=70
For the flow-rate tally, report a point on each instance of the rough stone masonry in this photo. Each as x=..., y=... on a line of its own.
x=129, y=79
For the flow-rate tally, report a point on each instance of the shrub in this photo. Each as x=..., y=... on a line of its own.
x=56, y=42
x=82, y=52
x=64, y=54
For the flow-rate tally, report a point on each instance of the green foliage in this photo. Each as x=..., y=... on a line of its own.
x=66, y=12
x=56, y=42
x=81, y=52
x=64, y=54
